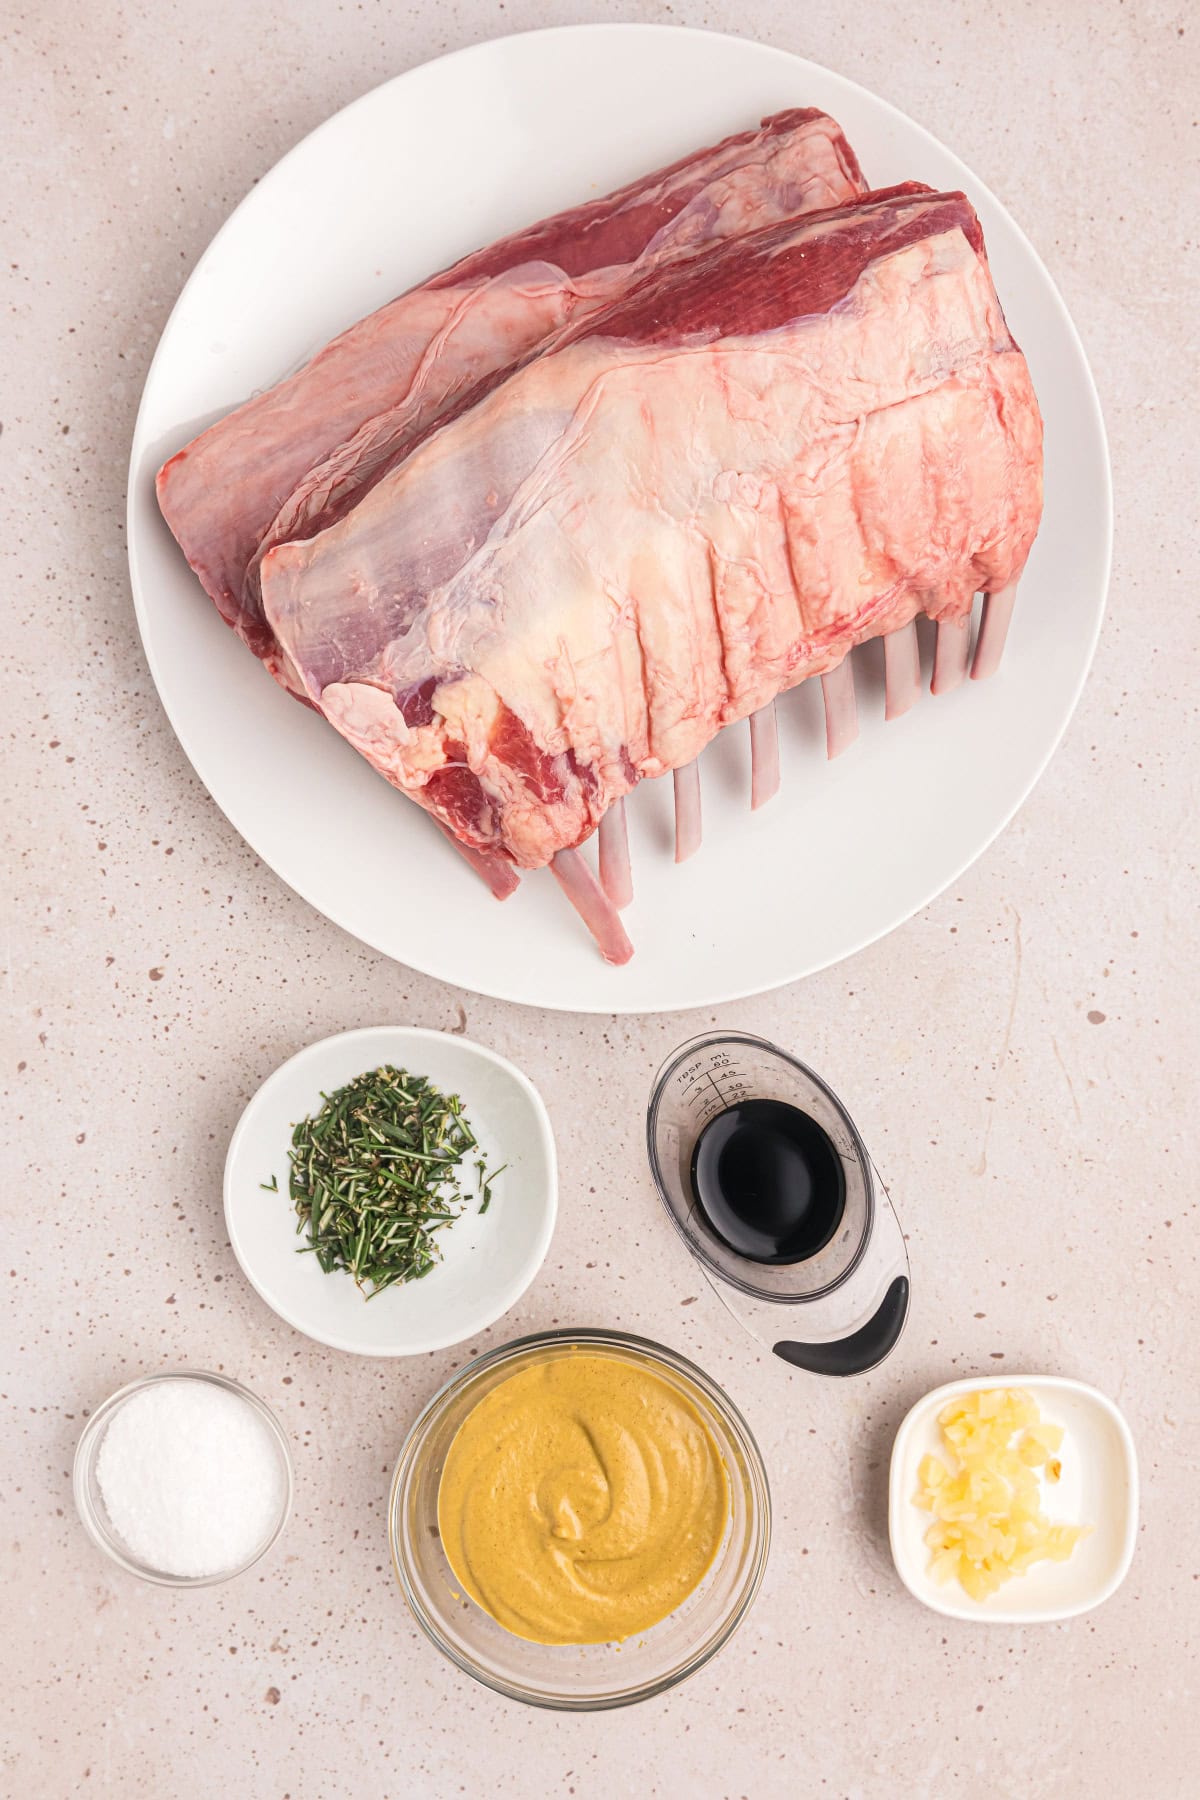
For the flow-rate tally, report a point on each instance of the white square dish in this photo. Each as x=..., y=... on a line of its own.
x=1098, y=1488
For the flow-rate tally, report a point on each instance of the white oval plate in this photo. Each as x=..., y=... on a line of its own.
x=1099, y=1487
x=488, y=1260
x=377, y=198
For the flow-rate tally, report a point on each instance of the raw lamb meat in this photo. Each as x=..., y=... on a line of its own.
x=693, y=499
x=391, y=374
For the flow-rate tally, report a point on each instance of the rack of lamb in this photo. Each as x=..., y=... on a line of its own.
x=543, y=527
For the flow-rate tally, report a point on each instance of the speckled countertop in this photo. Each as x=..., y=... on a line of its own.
x=1020, y=1057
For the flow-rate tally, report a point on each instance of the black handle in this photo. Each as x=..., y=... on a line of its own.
x=855, y=1354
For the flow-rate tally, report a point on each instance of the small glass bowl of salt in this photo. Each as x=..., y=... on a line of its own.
x=184, y=1478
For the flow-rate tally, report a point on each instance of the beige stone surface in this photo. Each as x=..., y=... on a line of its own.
x=1021, y=1056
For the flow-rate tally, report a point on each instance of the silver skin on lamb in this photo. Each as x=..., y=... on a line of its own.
x=710, y=490
x=274, y=468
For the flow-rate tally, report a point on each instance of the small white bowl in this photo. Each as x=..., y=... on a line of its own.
x=89, y=1499
x=1099, y=1487
x=488, y=1260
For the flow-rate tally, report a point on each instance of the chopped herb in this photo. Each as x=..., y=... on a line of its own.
x=270, y=1187
x=376, y=1173
x=485, y=1182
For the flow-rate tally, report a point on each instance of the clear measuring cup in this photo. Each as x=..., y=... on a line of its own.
x=839, y=1311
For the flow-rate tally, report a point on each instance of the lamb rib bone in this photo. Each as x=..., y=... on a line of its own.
x=764, y=755
x=592, y=904
x=688, y=830
x=841, y=708
x=993, y=631
x=616, y=873
x=902, y=669
x=952, y=653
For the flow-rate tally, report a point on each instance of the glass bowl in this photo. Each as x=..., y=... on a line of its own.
x=89, y=1501
x=577, y=1677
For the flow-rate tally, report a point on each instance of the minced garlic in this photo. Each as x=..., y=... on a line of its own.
x=988, y=1519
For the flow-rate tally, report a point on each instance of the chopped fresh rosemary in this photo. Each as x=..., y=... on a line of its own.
x=376, y=1173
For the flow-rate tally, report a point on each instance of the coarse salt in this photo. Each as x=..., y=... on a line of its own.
x=192, y=1478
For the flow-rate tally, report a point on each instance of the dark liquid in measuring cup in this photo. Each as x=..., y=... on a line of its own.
x=769, y=1181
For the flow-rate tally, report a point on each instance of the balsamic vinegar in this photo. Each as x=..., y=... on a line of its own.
x=769, y=1181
